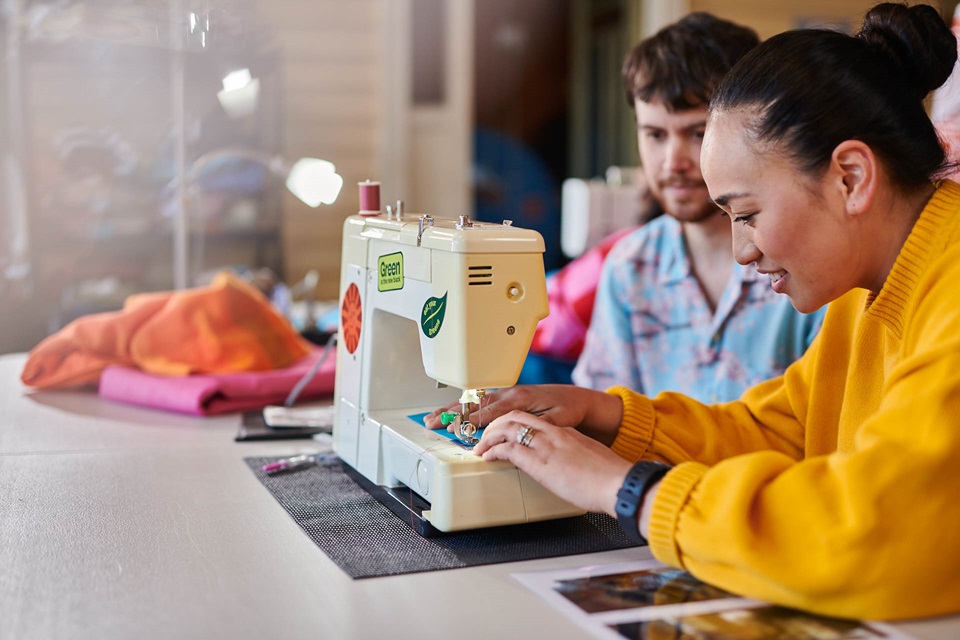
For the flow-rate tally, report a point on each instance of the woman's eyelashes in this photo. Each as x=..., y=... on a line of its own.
x=743, y=219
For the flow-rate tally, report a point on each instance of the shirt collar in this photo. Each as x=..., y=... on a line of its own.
x=675, y=260
x=747, y=273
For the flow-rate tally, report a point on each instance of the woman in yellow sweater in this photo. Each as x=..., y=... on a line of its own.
x=836, y=487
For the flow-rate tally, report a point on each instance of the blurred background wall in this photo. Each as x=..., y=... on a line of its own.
x=114, y=125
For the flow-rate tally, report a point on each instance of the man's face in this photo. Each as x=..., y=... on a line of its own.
x=670, y=155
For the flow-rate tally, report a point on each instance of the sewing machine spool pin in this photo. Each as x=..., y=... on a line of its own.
x=423, y=223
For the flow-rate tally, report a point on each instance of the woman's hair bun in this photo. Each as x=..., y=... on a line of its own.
x=915, y=40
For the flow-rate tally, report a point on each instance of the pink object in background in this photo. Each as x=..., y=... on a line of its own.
x=570, y=294
x=945, y=108
x=212, y=394
x=369, y=198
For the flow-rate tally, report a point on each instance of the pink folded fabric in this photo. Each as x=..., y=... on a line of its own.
x=209, y=394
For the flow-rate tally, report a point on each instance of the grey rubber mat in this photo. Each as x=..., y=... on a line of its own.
x=367, y=540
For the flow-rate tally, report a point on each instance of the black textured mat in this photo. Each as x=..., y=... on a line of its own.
x=367, y=540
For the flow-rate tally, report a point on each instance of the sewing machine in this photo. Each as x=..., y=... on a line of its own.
x=434, y=310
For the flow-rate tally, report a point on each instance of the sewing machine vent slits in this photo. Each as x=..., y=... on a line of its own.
x=480, y=275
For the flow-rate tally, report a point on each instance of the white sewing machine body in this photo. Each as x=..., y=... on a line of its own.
x=426, y=301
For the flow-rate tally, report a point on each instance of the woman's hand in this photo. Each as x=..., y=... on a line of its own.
x=595, y=413
x=572, y=465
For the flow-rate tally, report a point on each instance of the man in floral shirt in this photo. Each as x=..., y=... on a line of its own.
x=673, y=310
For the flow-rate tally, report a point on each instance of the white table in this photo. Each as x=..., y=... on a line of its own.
x=120, y=522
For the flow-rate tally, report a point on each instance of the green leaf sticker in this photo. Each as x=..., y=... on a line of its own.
x=431, y=317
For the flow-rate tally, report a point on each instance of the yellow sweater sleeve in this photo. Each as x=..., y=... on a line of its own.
x=675, y=428
x=833, y=488
x=867, y=533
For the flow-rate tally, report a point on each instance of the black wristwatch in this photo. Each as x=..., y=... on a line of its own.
x=640, y=478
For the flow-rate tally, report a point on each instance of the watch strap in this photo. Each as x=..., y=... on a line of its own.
x=638, y=480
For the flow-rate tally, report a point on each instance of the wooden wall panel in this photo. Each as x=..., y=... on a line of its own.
x=332, y=58
x=770, y=18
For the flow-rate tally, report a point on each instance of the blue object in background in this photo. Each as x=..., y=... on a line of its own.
x=512, y=183
x=539, y=369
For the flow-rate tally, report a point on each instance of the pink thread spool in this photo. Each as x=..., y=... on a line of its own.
x=369, y=198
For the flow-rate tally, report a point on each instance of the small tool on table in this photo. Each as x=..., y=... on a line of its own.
x=286, y=464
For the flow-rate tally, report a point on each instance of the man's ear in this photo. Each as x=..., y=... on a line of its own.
x=857, y=170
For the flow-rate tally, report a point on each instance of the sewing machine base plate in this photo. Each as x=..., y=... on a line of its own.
x=401, y=501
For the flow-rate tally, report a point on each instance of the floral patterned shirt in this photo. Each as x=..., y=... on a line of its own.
x=653, y=330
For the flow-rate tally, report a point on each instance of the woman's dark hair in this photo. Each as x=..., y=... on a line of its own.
x=812, y=89
x=683, y=63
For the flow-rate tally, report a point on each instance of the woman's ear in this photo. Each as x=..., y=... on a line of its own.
x=857, y=171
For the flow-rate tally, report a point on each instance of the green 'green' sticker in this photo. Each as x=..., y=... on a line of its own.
x=390, y=272
x=431, y=317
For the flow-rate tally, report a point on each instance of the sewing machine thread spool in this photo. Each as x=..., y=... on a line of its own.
x=369, y=198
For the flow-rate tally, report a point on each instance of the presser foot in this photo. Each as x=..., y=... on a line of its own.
x=464, y=430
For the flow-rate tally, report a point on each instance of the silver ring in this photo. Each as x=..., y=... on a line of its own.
x=525, y=435
x=522, y=432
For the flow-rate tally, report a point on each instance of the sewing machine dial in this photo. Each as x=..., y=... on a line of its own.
x=515, y=291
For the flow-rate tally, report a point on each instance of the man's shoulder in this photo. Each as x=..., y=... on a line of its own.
x=648, y=240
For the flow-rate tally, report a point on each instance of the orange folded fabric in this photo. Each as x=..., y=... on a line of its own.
x=226, y=327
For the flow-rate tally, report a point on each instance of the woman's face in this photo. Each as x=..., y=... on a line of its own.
x=785, y=223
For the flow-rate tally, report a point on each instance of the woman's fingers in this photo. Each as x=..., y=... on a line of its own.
x=432, y=420
x=568, y=463
x=505, y=428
